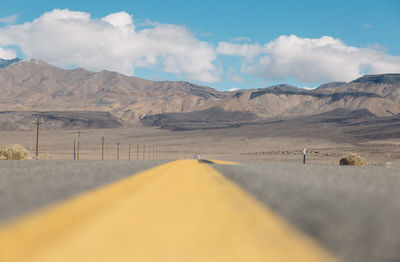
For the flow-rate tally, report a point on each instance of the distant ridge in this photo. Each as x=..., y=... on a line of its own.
x=379, y=79
x=37, y=86
x=7, y=62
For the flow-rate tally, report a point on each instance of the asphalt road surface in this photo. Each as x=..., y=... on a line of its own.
x=352, y=211
x=28, y=185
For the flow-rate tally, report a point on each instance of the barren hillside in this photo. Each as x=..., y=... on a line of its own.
x=37, y=86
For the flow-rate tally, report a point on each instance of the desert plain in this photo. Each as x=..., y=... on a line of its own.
x=281, y=142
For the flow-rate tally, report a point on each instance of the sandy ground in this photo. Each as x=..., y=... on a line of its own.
x=227, y=144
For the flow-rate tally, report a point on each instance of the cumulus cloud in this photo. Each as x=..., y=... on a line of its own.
x=7, y=53
x=9, y=19
x=309, y=60
x=233, y=76
x=241, y=39
x=246, y=50
x=69, y=38
x=368, y=26
x=120, y=19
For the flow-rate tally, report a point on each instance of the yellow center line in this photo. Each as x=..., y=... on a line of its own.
x=179, y=211
x=223, y=162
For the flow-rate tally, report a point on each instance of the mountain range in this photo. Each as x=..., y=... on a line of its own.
x=7, y=62
x=37, y=86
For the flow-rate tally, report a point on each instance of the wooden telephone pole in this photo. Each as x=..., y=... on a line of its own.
x=37, y=136
x=118, y=150
x=79, y=142
x=102, y=148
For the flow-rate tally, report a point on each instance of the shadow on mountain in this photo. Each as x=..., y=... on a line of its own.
x=213, y=118
x=339, y=125
x=15, y=120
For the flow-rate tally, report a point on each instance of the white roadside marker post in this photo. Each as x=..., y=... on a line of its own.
x=304, y=155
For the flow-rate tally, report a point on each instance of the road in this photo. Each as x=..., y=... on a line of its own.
x=306, y=212
x=354, y=211
x=28, y=185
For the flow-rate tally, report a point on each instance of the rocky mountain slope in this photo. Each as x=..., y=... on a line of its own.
x=7, y=62
x=24, y=120
x=386, y=85
x=285, y=100
x=36, y=86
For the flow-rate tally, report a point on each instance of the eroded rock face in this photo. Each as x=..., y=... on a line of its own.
x=352, y=160
x=22, y=120
x=36, y=86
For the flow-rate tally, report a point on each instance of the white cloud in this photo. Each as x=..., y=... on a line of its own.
x=67, y=38
x=236, y=49
x=233, y=89
x=236, y=78
x=233, y=76
x=7, y=53
x=368, y=26
x=9, y=20
x=120, y=19
x=241, y=39
x=310, y=60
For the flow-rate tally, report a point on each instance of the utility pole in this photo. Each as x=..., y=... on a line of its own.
x=102, y=148
x=129, y=152
x=37, y=137
x=74, y=149
x=79, y=141
x=118, y=150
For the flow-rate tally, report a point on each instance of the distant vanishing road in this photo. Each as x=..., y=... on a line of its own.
x=197, y=210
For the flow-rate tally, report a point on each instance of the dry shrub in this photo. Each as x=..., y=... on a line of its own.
x=14, y=152
x=45, y=157
x=352, y=160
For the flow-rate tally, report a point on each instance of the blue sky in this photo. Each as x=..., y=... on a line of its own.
x=286, y=36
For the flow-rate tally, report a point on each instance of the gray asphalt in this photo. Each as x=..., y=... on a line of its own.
x=28, y=185
x=353, y=211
